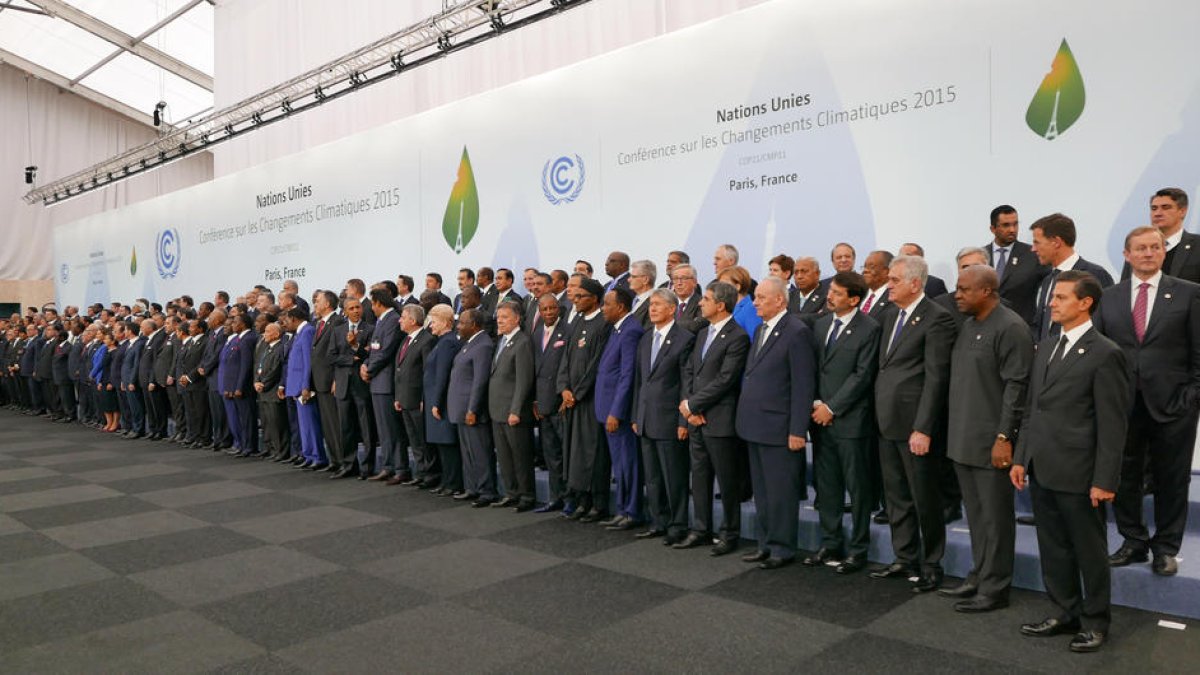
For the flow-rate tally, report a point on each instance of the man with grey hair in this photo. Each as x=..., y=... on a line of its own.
x=724, y=257
x=642, y=274
x=685, y=284
x=911, y=390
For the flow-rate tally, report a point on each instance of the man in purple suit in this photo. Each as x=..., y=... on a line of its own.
x=237, y=383
x=614, y=398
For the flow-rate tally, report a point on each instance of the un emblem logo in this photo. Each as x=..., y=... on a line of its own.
x=562, y=179
x=64, y=273
x=167, y=253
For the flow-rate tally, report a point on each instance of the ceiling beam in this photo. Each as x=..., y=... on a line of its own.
x=137, y=40
x=125, y=41
x=65, y=84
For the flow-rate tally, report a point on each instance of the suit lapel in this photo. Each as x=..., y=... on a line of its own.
x=1181, y=255
x=772, y=338
x=910, y=324
x=1162, y=304
x=1068, y=360
x=847, y=331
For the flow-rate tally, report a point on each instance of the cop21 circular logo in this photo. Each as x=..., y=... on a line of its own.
x=167, y=253
x=562, y=179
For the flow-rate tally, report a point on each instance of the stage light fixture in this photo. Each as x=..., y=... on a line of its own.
x=30, y=174
x=158, y=111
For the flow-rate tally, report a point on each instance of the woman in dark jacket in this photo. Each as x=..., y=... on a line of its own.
x=439, y=432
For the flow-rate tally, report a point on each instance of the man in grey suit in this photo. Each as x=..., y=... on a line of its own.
x=712, y=378
x=661, y=429
x=410, y=367
x=1070, y=447
x=510, y=405
x=327, y=320
x=467, y=408
x=910, y=401
x=268, y=372
x=990, y=363
x=348, y=350
x=773, y=415
x=847, y=359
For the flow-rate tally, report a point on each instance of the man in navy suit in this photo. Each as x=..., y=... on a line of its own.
x=614, y=397
x=773, y=416
x=712, y=378
x=1015, y=263
x=409, y=377
x=380, y=372
x=1054, y=245
x=209, y=364
x=663, y=431
x=237, y=384
x=810, y=292
x=133, y=393
x=616, y=266
x=298, y=386
x=467, y=409
x=158, y=409
x=549, y=344
x=1155, y=319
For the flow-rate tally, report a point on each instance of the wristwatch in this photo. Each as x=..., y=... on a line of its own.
x=1002, y=436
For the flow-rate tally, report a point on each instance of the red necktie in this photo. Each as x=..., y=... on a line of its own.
x=320, y=327
x=404, y=348
x=1139, y=312
x=866, y=308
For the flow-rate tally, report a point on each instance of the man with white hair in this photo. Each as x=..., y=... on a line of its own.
x=642, y=275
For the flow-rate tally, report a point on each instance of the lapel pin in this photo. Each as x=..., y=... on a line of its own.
x=1166, y=296
x=1082, y=350
x=979, y=337
x=668, y=342
x=916, y=319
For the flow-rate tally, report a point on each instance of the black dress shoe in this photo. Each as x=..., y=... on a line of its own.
x=626, y=523
x=673, y=538
x=412, y=482
x=505, y=503
x=1164, y=566
x=927, y=583
x=723, y=547
x=896, y=570
x=980, y=604
x=553, y=506
x=773, y=563
x=332, y=468
x=482, y=503
x=821, y=557
x=612, y=521
x=963, y=590
x=756, y=557
x=1049, y=628
x=1026, y=520
x=594, y=516
x=1087, y=641
x=650, y=534
x=524, y=506
x=233, y=451
x=465, y=496
x=318, y=467
x=694, y=539
x=345, y=472
x=852, y=564
x=1126, y=555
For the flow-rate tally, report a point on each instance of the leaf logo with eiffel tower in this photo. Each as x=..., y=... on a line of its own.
x=1059, y=100
x=133, y=262
x=462, y=211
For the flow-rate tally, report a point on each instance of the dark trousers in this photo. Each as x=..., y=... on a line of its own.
x=667, y=468
x=427, y=463
x=221, y=435
x=357, y=422
x=588, y=464
x=841, y=466
x=50, y=396
x=1169, y=448
x=452, y=470
x=988, y=500
x=275, y=426
x=777, y=475
x=294, y=439
x=35, y=394
x=178, y=414
x=137, y=410
x=331, y=430
x=715, y=456
x=627, y=470
x=551, y=437
x=122, y=406
x=87, y=401
x=479, y=460
x=393, y=442
x=158, y=410
x=911, y=488
x=514, y=451
x=67, y=401
x=247, y=416
x=199, y=415
x=1073, y=548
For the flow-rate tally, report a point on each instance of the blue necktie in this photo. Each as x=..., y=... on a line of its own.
x=896, y=333
x=500, y=348
x=1001, y=263
x=712, y=333
x=833, y=334
x=654, y=348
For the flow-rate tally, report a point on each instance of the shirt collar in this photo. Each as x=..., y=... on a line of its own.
x=665, y=329
x=617, y=325
x=773, y=321
x=721, y=324
x=1154, y=281
x=589, y=317
x=1068, y=264
x=1077, y=332
x=913, y=304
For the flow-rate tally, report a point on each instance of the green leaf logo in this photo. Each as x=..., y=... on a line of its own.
x=1059, y=101
x=133, y=262
x=462, y=212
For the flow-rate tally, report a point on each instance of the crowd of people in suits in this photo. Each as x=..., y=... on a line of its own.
x=1035, y=372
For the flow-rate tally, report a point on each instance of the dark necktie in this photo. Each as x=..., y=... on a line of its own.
x=1001, y=263
x=1047, y=324
x=320, y=328
x=404, y=348
x=1057, y=356
x=833, y=334
x=896, y=333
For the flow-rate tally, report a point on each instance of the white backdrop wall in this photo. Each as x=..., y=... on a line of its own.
x=67, y=133
x=260, y=43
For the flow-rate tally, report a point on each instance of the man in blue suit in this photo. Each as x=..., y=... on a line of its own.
x=209, y=364
x=132, y=392
x=380, y=373
x=298, y=387
x=27, y=366
x=237, y=383
x=773, y=418
x=614, y=399
x=466, y=405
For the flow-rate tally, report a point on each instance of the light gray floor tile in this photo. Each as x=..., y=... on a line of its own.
x=213, y=579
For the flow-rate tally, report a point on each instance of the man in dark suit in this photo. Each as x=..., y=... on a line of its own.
x=1070, y=447
x=874, y=273
x=63, y=385
x=1168, y=210
x=268, y=373
x=784, y=267
x=810, y=292
x=1054, y=246
x=158, y=409
x=28, y=365
x=548, y=343
x=588, y=465
x=712, y=378
x=130, y=367
x=43, y=373
x=349, y=350
x=237, y=384
x=847, y=360
x=686, y=287
x=410, y=364
x=1019, y=270
x=614, y=399
x=910, y=401
x=466, y=278
x=843, y=257
x=327, y=320
x=616, y=266
x=934, y=286
x=209, y=364
x=510, y=405
x=193, y=385
x=466, y=406
x=433, y=282
x=405, y=291
x=379, y=371
x=990, y=365
x=642, y=275
x=537, y=285
x=773, y=415
x=489, y=295
x=662, y=430
x=504, y=289
x=1155, y=319
x=166, y=360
